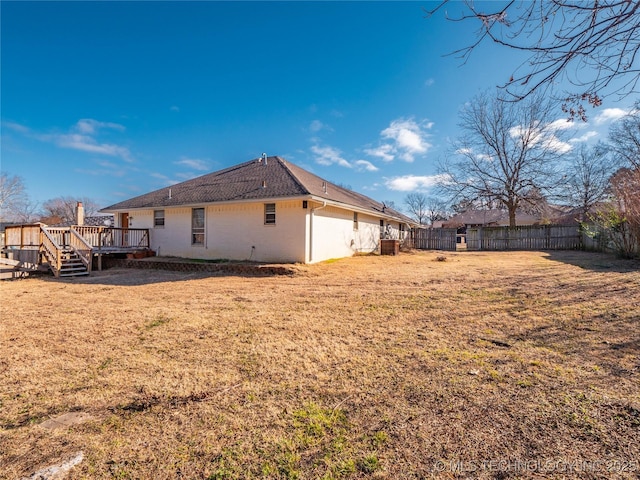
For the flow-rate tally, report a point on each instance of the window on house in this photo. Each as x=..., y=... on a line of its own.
x=381, y=228
x=355, y=220
x=158, y=218
x=269, y=213
x=197, y=226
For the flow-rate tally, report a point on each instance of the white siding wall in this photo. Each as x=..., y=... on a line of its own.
x=334, y=236
x=140, y=219
x=231, y=231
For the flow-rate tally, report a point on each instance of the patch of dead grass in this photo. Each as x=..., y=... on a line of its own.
x=391, y=367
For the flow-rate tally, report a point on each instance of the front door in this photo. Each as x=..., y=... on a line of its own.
x=124, y=224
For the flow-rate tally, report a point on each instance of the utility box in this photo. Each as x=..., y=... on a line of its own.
x=389, y=247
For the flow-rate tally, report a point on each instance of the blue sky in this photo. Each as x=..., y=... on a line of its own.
x=112, y=100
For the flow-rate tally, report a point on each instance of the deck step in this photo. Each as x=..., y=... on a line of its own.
x=72, y=268
x=75, y=274
x=72, y=265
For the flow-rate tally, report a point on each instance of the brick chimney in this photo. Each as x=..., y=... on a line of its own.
x=79, y=214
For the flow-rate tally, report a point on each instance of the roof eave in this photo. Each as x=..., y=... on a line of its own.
x=201, y=204
x=355, y=208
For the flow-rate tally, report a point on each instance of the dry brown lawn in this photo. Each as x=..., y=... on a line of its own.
x=485, y=365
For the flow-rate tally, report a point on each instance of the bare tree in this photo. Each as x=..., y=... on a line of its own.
x=436, y=210
x=27, y=211
x=593, y=45
x=619, y=218
x=624, y=143
x=416, y=203
x=587, y=178
x=507, y=152
x=13, y=197
x=63, y=209
x=624, y=138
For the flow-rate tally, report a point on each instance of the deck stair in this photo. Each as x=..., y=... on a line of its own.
x=67, y=253
x=71, y=264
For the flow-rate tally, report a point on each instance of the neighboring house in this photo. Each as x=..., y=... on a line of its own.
x=90, y=221
x=489, y=218
x=266, y=210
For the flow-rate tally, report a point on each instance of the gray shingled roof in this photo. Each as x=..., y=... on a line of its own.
x=281, y=179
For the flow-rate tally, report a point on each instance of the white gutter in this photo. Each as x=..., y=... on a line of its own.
x=324, y=204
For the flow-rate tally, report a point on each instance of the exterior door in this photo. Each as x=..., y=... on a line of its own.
x=124, y=233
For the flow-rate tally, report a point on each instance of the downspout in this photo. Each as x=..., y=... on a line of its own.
x=324, y=204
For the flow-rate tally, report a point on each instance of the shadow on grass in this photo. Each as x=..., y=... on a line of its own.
x=147, y=276
x=595, y=261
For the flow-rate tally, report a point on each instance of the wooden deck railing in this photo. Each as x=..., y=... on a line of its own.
x=81, y=247
x=110, y=237
x=59, y=234
x=52, y=251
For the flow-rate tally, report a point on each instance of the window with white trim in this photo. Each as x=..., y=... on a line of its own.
x=197, y=226
x=355, y=220
x=158, y=218
x=269, y=213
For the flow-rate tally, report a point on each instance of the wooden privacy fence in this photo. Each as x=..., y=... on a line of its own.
x=434, y=238
x=22, y=236
x=525, y=237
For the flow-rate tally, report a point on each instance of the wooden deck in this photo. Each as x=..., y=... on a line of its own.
x=70, y=250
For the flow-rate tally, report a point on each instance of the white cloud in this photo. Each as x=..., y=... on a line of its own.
x=585, y=138
x=165, y=180
x=384, y=151
x=194, y=163
x=185, y=176
x=365, y=165
x=408, y=139
x=329, y=156
x=16, y=127
x=429, y=82
x=609, y=115
x=316, y=126
x=174, y=108
x=483, y=156
x=89, y=126
x=543, y=136
x=554, y=143
x=81, y=136
x=408, y=183
x=86, y=143
x=562, y=124
x=464, y=151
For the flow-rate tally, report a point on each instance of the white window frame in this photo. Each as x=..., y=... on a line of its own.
x=269, y=213
x=197, y=230
x=156, y=224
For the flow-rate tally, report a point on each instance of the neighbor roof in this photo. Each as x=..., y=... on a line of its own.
x=255, y=180
x=489, y=217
